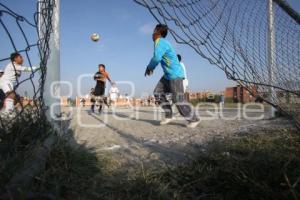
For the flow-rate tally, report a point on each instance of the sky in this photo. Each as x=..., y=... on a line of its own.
x=125, y=45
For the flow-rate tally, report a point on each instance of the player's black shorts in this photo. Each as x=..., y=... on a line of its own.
x=93, y=100
x=100, y=88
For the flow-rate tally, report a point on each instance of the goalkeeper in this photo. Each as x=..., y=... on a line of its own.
x=172, y=80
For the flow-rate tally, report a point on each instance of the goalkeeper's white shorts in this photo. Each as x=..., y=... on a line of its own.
x=6, y=86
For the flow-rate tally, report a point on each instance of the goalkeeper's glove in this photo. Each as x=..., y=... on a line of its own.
x=148, y=72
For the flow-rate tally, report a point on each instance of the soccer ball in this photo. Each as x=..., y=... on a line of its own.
x=95, y=37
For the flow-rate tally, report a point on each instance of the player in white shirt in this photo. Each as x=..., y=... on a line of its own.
x=185, y=81
x=113, y=94
x=9, y=79
x=127, y=99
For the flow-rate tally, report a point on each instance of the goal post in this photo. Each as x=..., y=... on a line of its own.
x=271, y=55
x=52, y=81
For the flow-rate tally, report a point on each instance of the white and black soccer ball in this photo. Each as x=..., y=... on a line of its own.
x=95, y=37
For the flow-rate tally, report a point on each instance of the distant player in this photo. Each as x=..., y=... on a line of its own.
x=222, y=101
x=113, y=94
x=82, y=102
x=100, y=77
x=149, y=100
x=185, y=80
x=9, y=79
x=172, y=81
x=127, y=99
x=92, y=99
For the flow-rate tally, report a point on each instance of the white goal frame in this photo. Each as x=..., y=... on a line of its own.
x=52, y=82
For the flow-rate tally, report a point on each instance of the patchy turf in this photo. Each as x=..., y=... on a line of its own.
x=17, y=144
x=245, y=161
x=258, y=165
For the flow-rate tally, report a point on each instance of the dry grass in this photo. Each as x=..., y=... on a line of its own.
x=18, y=144
x=260, y=165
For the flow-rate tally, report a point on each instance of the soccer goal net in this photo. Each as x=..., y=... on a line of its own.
x=256, y=43
x=28, y=33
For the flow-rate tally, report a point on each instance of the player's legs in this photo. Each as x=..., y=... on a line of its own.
x=10, y=98
x=160, y=92
x=100, y=108
x=113, y=102
x=93, y=107
x=93, y=101
x=100, y=102
x=178, y=97
x=9, y=102
x=99, y=95
x=107, y=99
x=221, y=105
x=101, y=99
x=221, y=108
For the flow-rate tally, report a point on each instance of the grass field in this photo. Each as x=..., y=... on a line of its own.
x=260, y=165
x=255, y=163
x=18, y=145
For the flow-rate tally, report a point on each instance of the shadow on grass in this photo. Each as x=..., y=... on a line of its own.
x=258, y=165
x=164, y=151
x=17, y=143
x=262, y=165
x=77, y=172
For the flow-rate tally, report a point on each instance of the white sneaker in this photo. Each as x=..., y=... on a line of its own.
x=193, y=124
x=167, y=121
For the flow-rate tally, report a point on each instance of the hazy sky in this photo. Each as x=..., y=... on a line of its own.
x=125, y=46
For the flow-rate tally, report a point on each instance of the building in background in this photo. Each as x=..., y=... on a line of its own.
x=237, y=94
x=240, y=94
x=64, y=101
x=201, y=96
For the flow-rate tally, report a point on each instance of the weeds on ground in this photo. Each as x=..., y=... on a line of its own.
x=18, y=143
x=261, y=165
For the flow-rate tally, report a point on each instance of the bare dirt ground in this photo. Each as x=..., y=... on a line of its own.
x=133, y=135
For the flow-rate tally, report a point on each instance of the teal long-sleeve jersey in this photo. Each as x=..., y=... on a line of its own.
x=165, y=54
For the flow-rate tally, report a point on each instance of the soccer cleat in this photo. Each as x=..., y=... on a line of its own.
x=193, y=124
x=167, y=121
